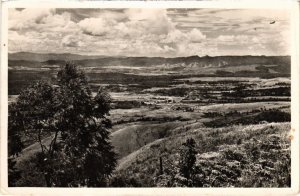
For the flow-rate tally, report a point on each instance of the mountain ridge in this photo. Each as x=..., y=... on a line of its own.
x=218, y=61
x=42, y=57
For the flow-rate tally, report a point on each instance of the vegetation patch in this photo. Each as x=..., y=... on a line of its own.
x=236, y=156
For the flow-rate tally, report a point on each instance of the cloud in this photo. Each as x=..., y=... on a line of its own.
x=32, y=42
x=177, y=36
x=57, y=23
x=149, y=32
x=26, y=18
x=196, y=36
x=96, y=26
x=235, y=39
x=130, y=23
x=70, y=41
x=155, y=21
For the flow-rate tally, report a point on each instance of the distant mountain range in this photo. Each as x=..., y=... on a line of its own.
x=99, y=60
x=39, y=57
x=26, y=67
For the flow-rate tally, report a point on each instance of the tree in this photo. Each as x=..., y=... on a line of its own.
x=187, y=160
x=71, y=127
x=13, y=173
x=14, y=138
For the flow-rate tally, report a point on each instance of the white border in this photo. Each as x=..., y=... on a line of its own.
x=293, y=6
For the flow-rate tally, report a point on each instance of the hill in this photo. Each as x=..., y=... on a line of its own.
x=229, y=66
x=205, y=61
x=39, y=57
x=239, y=156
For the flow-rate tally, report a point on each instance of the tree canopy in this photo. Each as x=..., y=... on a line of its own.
x=71, y=127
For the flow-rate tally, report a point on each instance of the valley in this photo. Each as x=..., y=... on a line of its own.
x=237, y=109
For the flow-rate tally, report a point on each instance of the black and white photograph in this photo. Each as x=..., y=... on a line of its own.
x=149, y=97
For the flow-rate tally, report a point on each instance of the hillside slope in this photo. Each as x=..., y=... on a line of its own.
x=230, y=155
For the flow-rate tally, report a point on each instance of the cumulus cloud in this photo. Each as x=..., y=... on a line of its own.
x=57, y=23
x=26, y=18
x=131, y=23
x=33, y=42
x=149, y=32
x=196, y=36
x=96, y=26
x=177, y=36
x=154, y=21
x=71, y=41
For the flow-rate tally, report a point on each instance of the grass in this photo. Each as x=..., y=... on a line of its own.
x=230, y=154
x=131, y=138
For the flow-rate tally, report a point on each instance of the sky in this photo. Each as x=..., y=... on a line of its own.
x=150, y=32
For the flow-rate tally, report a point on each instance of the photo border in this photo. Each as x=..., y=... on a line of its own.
x=292, y=6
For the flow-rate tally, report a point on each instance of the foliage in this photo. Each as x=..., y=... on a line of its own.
x=30, y=174
x=187, y=160
x=226, y=119
x=79, y=152
x=13, y=173
x=14, y=138
x=118, y=180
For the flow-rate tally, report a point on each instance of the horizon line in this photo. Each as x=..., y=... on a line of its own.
x=146, y=56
